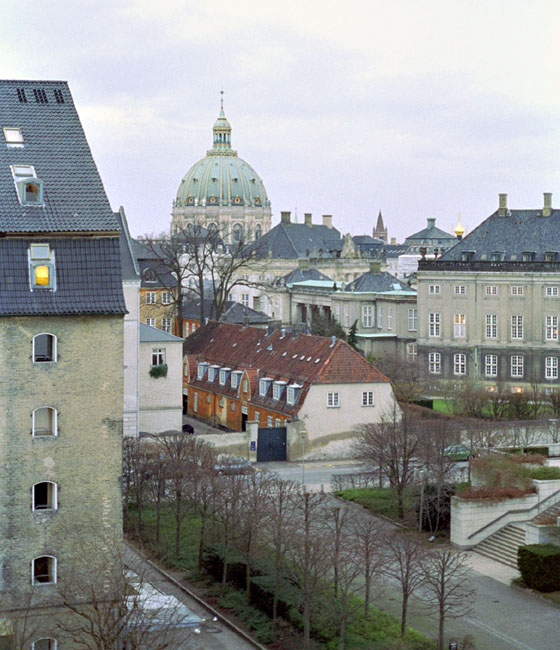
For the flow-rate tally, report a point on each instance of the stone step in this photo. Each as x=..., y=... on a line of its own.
x=502, y=545
x=500, y=549
x=491, y=556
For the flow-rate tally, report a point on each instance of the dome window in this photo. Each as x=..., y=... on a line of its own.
x=235, y=180
x=237, y=199
x=214, y=180
x=190, y=200
x=212, y=199
x=257, y=200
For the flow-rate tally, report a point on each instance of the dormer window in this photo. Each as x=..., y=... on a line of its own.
x=150, y=275
x=201, y=369
x=527, y=256
x=550, y=256
x=212, y=372
x=263, y=386
x=235, y=376
x=28, y=186
x=13, y=135
x=41, y=267
x=292, y=393
x=497, y=256
x=278, y=389
x=467, y=256
x=224, y=374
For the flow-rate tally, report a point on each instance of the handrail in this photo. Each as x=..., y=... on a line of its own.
x=512, y=512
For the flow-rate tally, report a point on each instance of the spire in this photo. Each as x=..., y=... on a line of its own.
x=379, y=225
x=222, y=131
x=380, y=232
x=459, y=230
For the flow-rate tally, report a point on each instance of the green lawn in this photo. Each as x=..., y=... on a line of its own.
x=378, y=500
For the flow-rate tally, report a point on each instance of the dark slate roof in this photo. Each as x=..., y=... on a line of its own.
x=301, y=275
x=234, y=312
x=430, y=232
x=367, y=239
x=518, y=232
x=295, y=240
x=376, y=283
x=55, y=144
x=129, y=266
x=88, y=278
x=147, y=259
x=394, y=250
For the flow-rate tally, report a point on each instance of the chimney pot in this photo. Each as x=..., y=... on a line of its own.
x=502, y=205
x=327, y=220
x=307, y=219
x=285, y=217
x=393, y=240
x=547, y=209
x=431, y=222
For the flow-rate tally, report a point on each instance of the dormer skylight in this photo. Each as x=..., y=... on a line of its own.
x=41, y=267
x=28, y=186
x=13, y=135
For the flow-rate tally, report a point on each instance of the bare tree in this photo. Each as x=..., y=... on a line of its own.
x=368, y=534
x=391, y=445
x=406, y=376
x=404, y=559
x=446, y=587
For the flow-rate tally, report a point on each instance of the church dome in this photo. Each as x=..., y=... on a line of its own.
x=221, y=177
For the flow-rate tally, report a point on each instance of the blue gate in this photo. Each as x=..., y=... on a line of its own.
x=271, y=444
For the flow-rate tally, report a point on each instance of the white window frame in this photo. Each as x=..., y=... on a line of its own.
x=434, y=324
x=368, y=398
x=291, y=395
x=434, y=363
x=200, y=370
x=151, y=322
x=245, y=299
x=413, y=319
x=39, y=583
x=367, y=315
x=459, y=326
x=151, y=297
x=491, y=329
x=459, y=289
x=166, y=297
x=13, y=139
x=223, y=376
x=53, y=645
x=277, y=422
x=263, y=387
x=491, y=290
x=195, y=402
x=389, y=318
x=551, y=368
x=269, y=421
x=54, y=347
x=166, y=325
x=459, y=364
x=277, y=391
x=257, y=416
x=517, y=365
x=158, y=354
x=333, y=400
x=54, y=497
x=551, y=327
x=411, y=351
x=517, y=290
x=491, y=365
x=517, y=326
x=54, y=427
x=434, y=289
x=234, y=379
x=551, y=292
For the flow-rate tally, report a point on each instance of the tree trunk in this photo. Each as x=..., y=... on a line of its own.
x=201, y=539
x=367, y=591
x=441, y=627
x=403, y=613
x=342, y=630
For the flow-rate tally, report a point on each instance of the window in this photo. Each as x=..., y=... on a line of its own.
x=491, y=290
x=434, y=363
x=412, y=320
x=459, y=364
x=44, y=570
x=517, y=290
x=245, y=299
x=195, y=403
x=245, y=386
x=151, y=297
x=41, y=267
x=212, y=372
x=44, y=421
x=459, y=289
x=517, y=365
x=166, y=298
x=411, y=351
x=158, y=356
x=551, y=368
x=367, y=316
x=434, y=329
x=491, y=365
x=389, y=318
x=333, y=400
x=367, y=398
x=551, y=328
x=150, y=275
x=277, y=422
x=223, y=376
x=166, y=325
x=13, y=135
x=491, y=326
x=23, y=171
x=527, y=256
x=44, y=644
x=434, y=289
x=44, y=496
x=516, y=327
x=291, y=395
x=151, y=322
x=30, y=191
x=263, y=386
x=257, y=416
x=277, y=389
x=44, y=348
x=347, y=316
x=234, y=379
x=459, y=326
x=551, y=292
x=232, y=406
x=269, y=421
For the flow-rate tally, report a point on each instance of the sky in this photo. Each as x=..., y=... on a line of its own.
x=417, y=109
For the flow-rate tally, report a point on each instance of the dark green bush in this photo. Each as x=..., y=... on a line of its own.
x=539, y=565
x=158, y=371
x=436, y=513
x=545, y=473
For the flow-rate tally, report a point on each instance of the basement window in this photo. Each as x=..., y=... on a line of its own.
x=45, y=496
x=44, y=570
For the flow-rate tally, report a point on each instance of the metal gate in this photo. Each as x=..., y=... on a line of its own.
x=271, y=444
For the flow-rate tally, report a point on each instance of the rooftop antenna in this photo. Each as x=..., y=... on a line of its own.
x=222, y=99
x=295, y=215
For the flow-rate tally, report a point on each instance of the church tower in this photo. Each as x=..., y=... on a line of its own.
x=380, y=232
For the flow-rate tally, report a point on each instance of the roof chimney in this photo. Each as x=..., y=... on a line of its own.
x=431, y=222
x=393, y=240
x=375, y=267
x=502, y=205
x=327, y=220
x=307, y=219
x=285, y=217
x=333, y=341
x=547, y=209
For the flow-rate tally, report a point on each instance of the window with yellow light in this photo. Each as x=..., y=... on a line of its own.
x=42, y=275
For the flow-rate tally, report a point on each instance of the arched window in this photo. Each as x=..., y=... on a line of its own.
x=150, y=275
x=237, y=232
x=44, y=644
x=45, y=496
x=43, y=570
x=44, y=347
x=45, y=421
x=258, y=233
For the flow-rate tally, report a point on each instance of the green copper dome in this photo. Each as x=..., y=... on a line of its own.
x=221, y=178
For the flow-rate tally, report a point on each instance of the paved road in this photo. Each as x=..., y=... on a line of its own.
x=317, y=474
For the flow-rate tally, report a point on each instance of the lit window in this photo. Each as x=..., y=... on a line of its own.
x=158, y=356
x=551, y=328
x=44, y=421
x=151, y=297
x=434, y=329
x=44, y=644
x=551, y=368
x=517, y=290
x=435, y=289
x=517, y=366
x=333, y=400
x=459, y=364
x=367, y=316
x=44, y=570
x=491, y=326
x=491, y=365
x=434, y=363
x=367, y=398
x=42, y=276
x=44, y=348
x=491, y=290
x=412, y=320
x=459, y=326
x=13, y=136
x=41, y=267
x=517, y=326
x=45, y=496
x=551, y=292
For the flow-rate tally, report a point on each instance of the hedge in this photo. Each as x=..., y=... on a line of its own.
x=539, y=565
x=545, y=473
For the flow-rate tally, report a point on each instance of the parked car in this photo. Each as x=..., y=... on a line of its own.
x=459, y=452
x=233, y=465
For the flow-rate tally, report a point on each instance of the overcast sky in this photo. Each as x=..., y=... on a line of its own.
x=418, y=108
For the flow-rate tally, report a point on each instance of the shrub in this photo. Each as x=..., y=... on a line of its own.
x=539, y=565
x=158, y=371
x=528, y=458
x=545, y=473
x=502, y=472
x=496, y=493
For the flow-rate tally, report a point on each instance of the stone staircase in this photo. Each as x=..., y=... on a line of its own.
x=548, y=516
x=502, y=545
